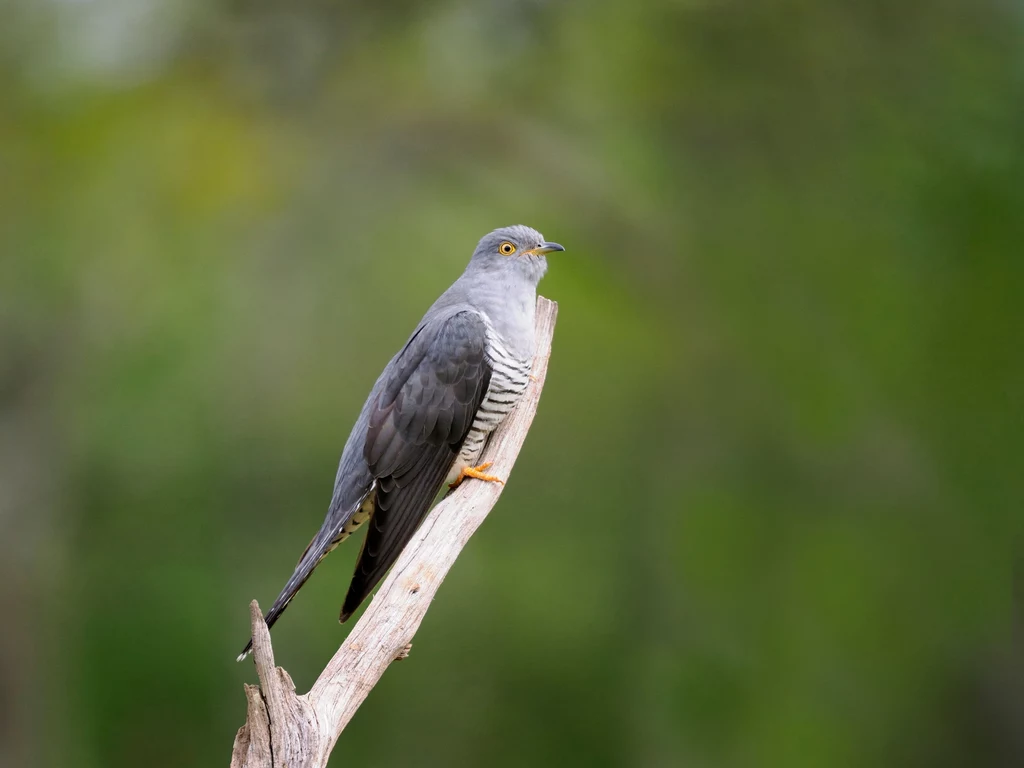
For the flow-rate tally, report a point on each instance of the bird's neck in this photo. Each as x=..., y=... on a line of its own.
x=512, y=317
x=510, y=304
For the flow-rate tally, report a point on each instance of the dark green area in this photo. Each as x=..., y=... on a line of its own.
x=767, y=512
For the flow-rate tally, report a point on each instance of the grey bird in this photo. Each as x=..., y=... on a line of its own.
x=428, y=417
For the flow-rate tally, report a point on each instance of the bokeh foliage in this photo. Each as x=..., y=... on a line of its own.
x=766, y=513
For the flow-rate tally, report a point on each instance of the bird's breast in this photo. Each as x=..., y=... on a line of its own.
x=510, y=375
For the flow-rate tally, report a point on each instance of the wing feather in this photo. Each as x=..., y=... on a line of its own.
x=416, y=428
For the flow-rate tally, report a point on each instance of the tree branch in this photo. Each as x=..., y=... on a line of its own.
x=285, y=729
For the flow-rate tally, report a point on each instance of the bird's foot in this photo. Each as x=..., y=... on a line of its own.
x=476, y=473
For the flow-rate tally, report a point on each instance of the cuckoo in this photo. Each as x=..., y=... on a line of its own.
x=428, y=417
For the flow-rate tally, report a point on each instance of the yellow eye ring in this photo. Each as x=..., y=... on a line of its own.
x=506, y=248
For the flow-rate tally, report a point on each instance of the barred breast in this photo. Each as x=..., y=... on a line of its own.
x=510, y=374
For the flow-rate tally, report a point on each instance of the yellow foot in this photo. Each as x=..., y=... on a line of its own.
x=477, y=473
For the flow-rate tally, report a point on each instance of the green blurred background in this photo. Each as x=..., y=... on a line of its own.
x=766, y=513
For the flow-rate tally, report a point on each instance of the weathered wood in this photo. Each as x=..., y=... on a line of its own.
x=286, y=729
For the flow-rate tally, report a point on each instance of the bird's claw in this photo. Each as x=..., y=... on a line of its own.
x=477, y=473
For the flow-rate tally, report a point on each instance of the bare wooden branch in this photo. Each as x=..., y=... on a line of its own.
x=285, y=729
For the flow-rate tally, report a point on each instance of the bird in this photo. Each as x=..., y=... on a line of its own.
x=431, y=411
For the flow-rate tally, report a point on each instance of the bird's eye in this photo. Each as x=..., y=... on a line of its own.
x=506, y=248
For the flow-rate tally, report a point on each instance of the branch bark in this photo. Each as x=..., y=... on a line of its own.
x=299, y=731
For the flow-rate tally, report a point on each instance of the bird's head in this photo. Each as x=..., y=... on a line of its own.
x=517, y=249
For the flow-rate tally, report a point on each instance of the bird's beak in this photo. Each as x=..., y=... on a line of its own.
x=544, y=248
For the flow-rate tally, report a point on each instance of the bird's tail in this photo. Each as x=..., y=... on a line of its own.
x=325, y=540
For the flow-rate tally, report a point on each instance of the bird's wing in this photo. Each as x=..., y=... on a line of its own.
x=417, y=425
